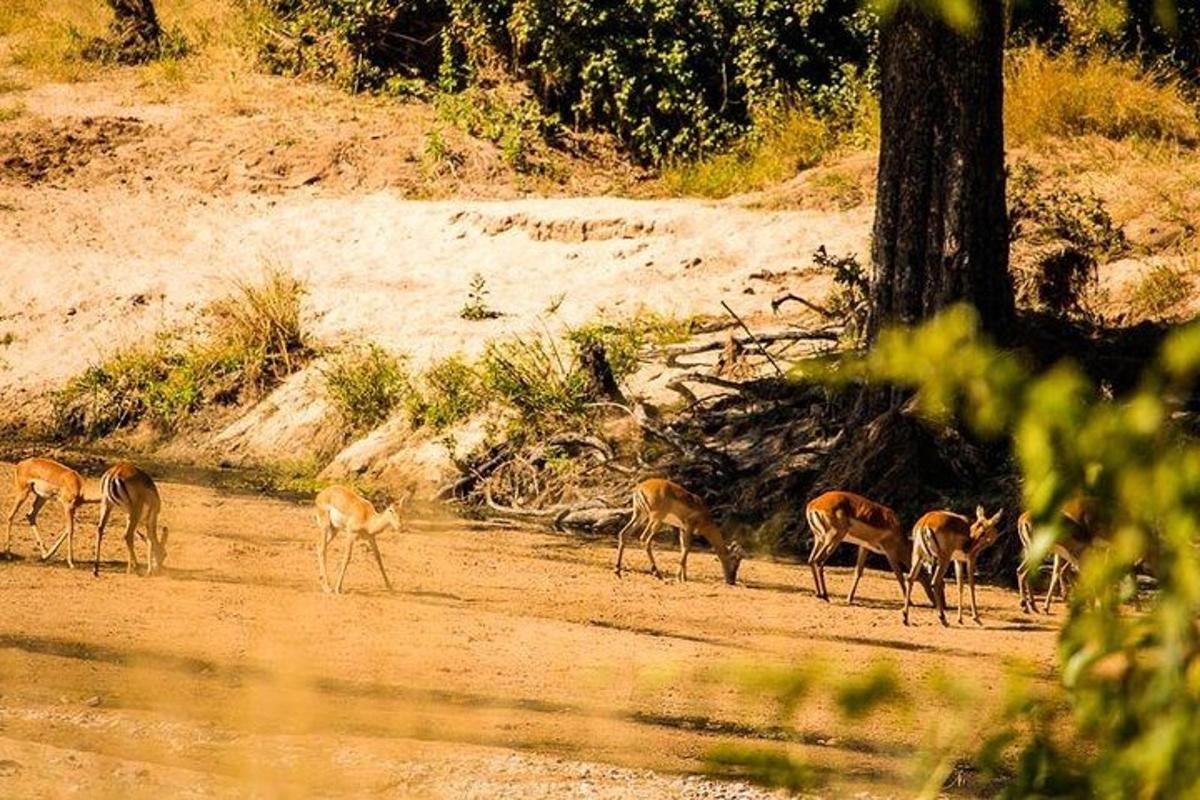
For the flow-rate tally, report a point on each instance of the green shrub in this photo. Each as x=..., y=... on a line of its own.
x=162, y=382
x=367, y=385
x=669, y=80
x=476, y=307
x=1130, y=678
x=446, y=393
x=533, y=376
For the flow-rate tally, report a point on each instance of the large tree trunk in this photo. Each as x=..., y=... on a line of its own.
x=941, y=226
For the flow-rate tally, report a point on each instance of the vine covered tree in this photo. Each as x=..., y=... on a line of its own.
x=941, y=226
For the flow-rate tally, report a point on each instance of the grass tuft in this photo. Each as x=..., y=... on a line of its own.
x=262, y=319
x=256, y=341
x=1159, y=292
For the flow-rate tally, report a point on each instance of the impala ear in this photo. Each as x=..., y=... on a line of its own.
x=980, y=514
x=996, y=519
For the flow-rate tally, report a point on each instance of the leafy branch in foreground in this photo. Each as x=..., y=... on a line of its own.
x=1131, y=727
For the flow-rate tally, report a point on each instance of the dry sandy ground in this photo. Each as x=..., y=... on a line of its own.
x=506, y=663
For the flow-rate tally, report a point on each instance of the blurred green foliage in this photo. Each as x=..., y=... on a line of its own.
x=1131, y=727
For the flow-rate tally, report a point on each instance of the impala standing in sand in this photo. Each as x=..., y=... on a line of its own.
x=128, y=488
x=657, y=502
x=942, y=537
x=47, y=480
x=1083, y=526
x=341, y=509
x=835, y=517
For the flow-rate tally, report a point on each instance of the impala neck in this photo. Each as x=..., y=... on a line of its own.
x=377, y=524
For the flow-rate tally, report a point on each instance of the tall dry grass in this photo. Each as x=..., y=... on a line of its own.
x=781, y=144
x=1073, y=95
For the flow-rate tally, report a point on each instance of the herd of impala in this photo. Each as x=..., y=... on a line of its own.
x=939, y=538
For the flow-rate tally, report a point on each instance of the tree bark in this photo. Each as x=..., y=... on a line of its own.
x=941, y=225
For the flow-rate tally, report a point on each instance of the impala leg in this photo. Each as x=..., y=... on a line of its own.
x=831, y=545
x=633, y=520
x=913, y=572
x=939, y=588
x=38, y=502
x=322, y=551
x=13, y=515
x=1055, y=577
x=131, y=562
x=813, y=558
x=648, y=540
x=379, y=562
x=858, y=571
x=1023, y=586
x=67, y=536
x=685, y=547
x=958, y=570
x=971, y=582
x=105, y=511
x=150, y=523
x=345, y=564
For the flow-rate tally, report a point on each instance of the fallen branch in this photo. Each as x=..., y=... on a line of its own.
x=784, y=298
x=753, y=338
x=761, y=340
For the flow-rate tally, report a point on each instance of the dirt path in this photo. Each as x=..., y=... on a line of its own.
x=507, y=662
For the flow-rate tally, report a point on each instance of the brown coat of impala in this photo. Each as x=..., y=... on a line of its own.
x=837, y=517
x=943, y=537
x=47, y=480
x=1083, y=525
x=126, y=487
x=658, y=502
x=340, y=509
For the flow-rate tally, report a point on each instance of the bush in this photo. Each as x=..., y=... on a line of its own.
x=670, y=80
x=162, y=382
x=257, y=339
x=1071, y=95
x=1065, y=235
x=531, y=375
x=367, y=385
x=446, y=393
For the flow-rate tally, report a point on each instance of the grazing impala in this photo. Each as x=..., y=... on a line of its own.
x=48, y=480
x=835, y=517
x=341, y=509
x=942, y=537
x=656, y=502
x=1083, y=525
x=128, y=488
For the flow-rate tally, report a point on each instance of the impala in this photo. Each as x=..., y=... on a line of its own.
x=657, y=502
x=128, y=488
x=835, y=517
x=1082, y=525
x=942, y=537
x=341, y=509
x=47, y=480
